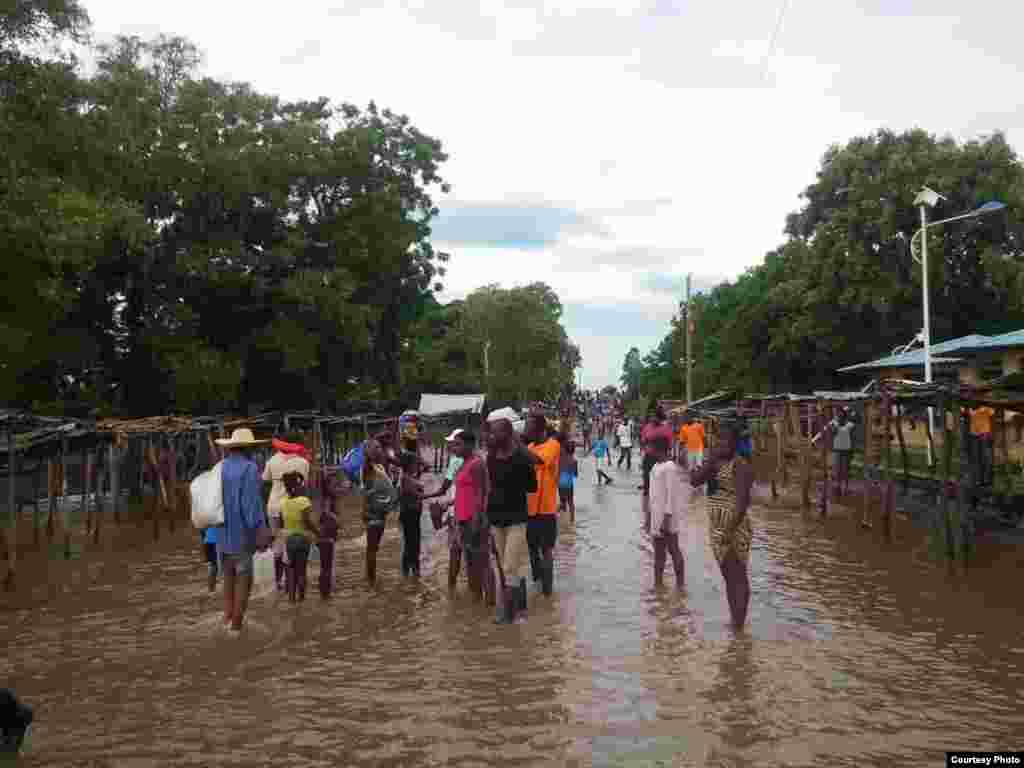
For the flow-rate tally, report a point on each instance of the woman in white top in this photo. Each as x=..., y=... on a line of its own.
x=290, y=456
x=669, y=501
x=625, y=435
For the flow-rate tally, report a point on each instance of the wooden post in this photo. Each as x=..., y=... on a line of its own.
x=934, y=452
x=780, y=459
x=998, y=427
x=887, y=497
x=65, y=518
x=805, y=471
x=12, y=526
x=1004, y=449
x=784, y=433
x=114, y=460
x=903, y=448
x=98, y=497
x=825, y=409
x=940, y=520
x=52, y=481
x=86, y=488
x=867, y=415
x=965, y=499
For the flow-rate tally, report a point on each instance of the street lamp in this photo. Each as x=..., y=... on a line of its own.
x=925, y=199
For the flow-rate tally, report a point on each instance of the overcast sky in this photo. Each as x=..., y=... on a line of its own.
x=609, y=147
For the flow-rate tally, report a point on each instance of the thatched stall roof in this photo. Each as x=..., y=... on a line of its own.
x=32, y=432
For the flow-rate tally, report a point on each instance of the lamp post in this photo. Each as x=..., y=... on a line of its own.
x=925, y=199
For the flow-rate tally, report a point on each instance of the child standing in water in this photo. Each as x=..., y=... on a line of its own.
x=328, y=534
x=669, y=500
x=410, y=511
x=567, y=474
x=300, y=532
x=210, y=548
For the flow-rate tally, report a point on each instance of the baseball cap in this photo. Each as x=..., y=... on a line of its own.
x=455, y=433
x=503, y=413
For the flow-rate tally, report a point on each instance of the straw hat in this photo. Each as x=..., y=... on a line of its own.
x=240, y=438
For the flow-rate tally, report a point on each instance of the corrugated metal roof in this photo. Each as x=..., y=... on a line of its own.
x=974, y=342
x=1003, y=340
x=906, y=360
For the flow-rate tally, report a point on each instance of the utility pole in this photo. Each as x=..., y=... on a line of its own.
x=689, y=345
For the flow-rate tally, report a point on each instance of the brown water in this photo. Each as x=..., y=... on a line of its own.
x=857, y=653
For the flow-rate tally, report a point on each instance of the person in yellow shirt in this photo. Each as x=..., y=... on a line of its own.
x=542, y=505
x=300, y=530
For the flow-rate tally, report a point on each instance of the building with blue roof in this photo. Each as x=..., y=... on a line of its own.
x=969, y=359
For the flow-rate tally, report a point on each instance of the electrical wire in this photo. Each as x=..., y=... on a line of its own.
x=775, y=39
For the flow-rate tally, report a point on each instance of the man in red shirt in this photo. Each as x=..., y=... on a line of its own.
x=656, y=426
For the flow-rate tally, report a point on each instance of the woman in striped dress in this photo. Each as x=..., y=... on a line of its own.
x=730, y=479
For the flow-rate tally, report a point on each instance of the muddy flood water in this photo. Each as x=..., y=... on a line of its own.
x=857, y=653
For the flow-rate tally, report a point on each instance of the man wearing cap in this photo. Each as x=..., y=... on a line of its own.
x=542, y=528
x=511, y=479
x=245, y=523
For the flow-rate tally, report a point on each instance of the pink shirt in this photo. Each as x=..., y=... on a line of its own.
x=467, y=490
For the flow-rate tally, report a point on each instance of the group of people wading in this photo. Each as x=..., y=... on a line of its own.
x=502, y=519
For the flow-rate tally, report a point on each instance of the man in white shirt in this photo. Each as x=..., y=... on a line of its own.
x=625, y=435
x=289, y=456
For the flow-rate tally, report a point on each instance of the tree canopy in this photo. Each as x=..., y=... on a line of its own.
x=843, y=287
x=174, y=242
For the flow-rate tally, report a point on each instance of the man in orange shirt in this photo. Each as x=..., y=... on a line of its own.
x=542, y=506
x=692, y=434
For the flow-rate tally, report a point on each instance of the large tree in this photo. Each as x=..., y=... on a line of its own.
x=844, y=287
x=177, y=242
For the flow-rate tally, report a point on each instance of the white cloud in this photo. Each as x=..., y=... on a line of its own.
x=672, y=133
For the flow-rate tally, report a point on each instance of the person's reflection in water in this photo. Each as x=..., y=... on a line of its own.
x=734, y=713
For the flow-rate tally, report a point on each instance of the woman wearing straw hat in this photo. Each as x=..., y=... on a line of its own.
x=245, y=524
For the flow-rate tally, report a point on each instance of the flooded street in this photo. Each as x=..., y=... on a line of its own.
x=856, y=653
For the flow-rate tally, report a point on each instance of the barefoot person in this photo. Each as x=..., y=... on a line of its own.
x=624, y=439
x=730, y=479
x=380, y=499
x=410, y=513
x=511, y=479
x=691, y=437
x=470, y=533
x=245, y=524
x=300, y=532
x=601, y=454
x=669, y=500
x=568, y=471
x=290, y=455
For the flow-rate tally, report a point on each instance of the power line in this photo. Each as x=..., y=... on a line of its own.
x=775, y=39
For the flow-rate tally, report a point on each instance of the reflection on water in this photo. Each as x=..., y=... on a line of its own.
x=857, y=653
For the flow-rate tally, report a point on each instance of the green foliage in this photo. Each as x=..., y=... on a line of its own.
x=176, y=242
x=843, y=288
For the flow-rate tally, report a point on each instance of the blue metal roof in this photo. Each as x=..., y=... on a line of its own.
x=1002, y=341
x=975, y=342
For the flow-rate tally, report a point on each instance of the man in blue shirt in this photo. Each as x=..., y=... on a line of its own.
x=245, y=523
x=600, y=451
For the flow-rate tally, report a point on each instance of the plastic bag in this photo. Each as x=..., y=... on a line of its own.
x=207, y=493
x=352, y=463
x=263, y=567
